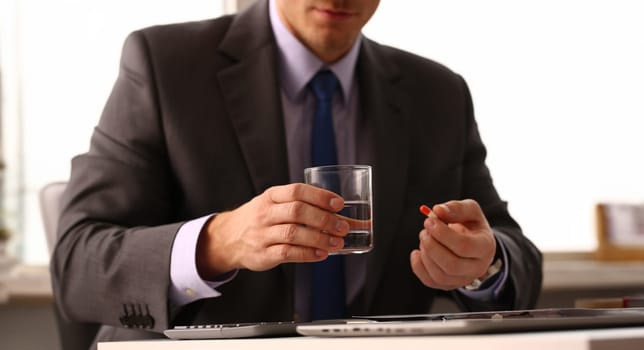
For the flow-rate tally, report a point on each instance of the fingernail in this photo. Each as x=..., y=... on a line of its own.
x=342, y=226
x=430, y=222
x=445, y=208
x=336, y=203
x=320, y=252
x=334, y=241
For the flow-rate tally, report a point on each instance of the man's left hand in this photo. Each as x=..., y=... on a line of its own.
x=456, y=246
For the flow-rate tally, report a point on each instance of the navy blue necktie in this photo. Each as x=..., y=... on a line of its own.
x=327, y=289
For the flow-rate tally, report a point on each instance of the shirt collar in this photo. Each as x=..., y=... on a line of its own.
x=298, y=64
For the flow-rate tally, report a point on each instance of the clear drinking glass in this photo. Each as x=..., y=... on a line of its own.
x=353, y=183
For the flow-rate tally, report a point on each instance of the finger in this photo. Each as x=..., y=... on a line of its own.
x=462, y=244
x=434, y=273
x=316, y=196
x=449, y=263
x=419, y=270
x=284, y=253
x=423, y=275
x=293, y=234
x=357, y=224
x=464, y=241
x=441, y=257
x=465, y=211
x=305, y=214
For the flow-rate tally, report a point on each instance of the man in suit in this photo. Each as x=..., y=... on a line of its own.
x=188, y=207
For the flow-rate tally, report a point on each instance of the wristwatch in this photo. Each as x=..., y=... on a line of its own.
x=483, y=281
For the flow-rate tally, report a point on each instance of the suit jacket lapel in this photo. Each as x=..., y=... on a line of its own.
x=251, y=91
x=383, y=110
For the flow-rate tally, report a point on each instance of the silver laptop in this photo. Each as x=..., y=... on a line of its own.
x=423, y=324
x=479, y=322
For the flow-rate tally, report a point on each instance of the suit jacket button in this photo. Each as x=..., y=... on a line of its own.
x=149, y=321
x=126, y=321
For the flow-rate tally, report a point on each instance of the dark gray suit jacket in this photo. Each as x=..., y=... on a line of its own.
x=194, y=126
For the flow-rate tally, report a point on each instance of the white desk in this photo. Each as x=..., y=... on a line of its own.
x=604, y=339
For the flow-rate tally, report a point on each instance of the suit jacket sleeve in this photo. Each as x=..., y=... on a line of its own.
x=112, y=256
x=523, y=285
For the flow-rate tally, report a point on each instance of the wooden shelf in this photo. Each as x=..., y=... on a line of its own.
x=26, y=284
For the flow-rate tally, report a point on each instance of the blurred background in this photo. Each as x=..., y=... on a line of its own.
x=558, y=90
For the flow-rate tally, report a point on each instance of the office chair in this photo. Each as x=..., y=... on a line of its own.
x=49, y=198
x=73, y=335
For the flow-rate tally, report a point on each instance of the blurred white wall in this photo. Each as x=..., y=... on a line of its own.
x=558, y=87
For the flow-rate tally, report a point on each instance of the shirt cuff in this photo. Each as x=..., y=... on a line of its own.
x=494, y=290
x=186, y=285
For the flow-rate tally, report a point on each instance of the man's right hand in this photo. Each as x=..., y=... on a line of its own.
x=290, y=223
